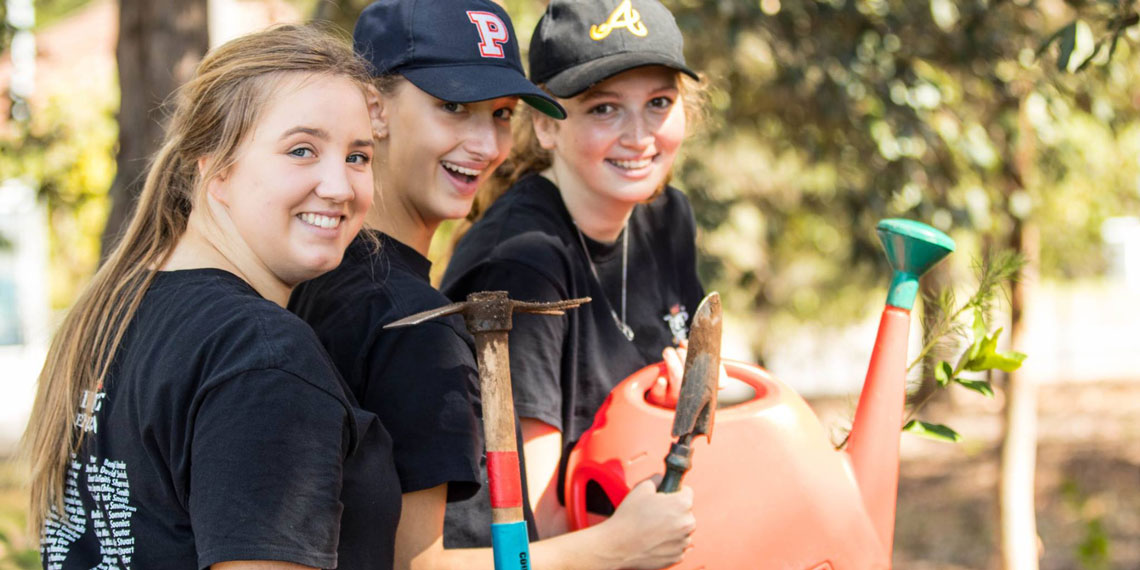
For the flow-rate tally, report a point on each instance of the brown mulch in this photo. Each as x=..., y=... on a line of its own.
x=1087, y=481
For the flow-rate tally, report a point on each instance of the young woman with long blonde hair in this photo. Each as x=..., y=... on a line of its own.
x=184, y=418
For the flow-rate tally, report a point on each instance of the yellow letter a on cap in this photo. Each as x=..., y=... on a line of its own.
x=624, y=16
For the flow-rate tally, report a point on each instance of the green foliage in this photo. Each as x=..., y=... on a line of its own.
x=980, y=353
x=1094, y=548
x=1077, y=46
x=937, y=432
x=49, y=12
x=17, y=546
x=827, y=116
x=67, y=152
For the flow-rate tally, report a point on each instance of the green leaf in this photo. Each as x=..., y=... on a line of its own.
x=979, y=330
x=987, y=357
x=979, y=325
x=943, y=373
x=984, y=347
x=937, y=432
x=980, y=386
x=1005, y=361
x=972, y=354
x=1068, y=36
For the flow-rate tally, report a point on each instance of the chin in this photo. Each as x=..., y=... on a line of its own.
x=456, y=211
x=319, y=265
x=639, y=193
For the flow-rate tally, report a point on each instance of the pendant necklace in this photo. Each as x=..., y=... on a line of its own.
x=620, y=322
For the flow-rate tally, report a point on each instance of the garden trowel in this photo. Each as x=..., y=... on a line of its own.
x=696, y=406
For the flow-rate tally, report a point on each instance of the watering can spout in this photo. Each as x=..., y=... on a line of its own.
x=912, y=248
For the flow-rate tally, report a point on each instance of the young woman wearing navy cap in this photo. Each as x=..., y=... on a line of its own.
x=184, y=418
x=589, y=213
x=448, y=78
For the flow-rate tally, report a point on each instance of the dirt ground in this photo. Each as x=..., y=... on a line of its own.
x=1087, y=481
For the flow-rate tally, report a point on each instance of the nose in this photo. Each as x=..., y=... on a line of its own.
x=482, y=140
x=335, y=184
x=638, y=132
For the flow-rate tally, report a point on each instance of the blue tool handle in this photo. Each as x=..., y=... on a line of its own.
x=511, y=546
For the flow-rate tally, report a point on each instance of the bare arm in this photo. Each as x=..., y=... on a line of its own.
x=647, y=531
x=542, y=448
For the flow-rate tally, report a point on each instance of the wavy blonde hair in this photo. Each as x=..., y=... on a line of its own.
x=214, y=113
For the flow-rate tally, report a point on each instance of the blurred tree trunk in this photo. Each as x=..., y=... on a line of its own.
x=1019, y=446
x=160, y=44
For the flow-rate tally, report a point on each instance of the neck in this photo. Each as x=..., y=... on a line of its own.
x=393, y=214
x=204, y=246
x=599, y=217
x=401, y=222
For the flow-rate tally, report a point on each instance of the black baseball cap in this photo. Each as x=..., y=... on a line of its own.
x=579, y=43
x=455, y=50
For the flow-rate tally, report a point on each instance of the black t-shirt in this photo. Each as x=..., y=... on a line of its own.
x=223, y=432
x=421, y=380
x=562, y=368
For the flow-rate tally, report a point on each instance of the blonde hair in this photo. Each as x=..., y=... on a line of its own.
x=528, y=156
x=215, y=112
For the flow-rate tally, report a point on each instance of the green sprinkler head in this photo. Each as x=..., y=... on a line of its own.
x=912, y=249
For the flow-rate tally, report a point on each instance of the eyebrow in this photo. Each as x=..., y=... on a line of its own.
x=319, y=133
x=323, y=135
x=600, y=93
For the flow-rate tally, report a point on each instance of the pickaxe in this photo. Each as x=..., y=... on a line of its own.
x=696, y=406
x=488, y=318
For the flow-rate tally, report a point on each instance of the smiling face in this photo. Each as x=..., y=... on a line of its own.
x=620, y=137
x=433, y=154
x=301, y=181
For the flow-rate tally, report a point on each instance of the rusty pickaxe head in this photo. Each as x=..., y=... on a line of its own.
x=696, y=406
x=489, y=311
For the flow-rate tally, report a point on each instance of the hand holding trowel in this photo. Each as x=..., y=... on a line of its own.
x=696, y=406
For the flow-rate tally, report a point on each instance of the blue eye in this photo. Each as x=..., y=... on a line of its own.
x=303, y=152
x=358, y=158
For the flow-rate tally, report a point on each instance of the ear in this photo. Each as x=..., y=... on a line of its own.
x=214, y=186
x=546, y=129
x=377, y=112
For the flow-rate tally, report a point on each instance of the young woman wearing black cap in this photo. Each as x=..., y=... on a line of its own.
x=448, y=77
x=589, y=213
x=184, y=419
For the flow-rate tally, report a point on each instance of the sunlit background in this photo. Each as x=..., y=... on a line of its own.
x=1011, y=125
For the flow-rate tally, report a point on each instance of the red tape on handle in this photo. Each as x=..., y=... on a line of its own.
x=503, y=479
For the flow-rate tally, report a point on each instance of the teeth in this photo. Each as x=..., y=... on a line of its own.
x=632, y=164
x=460, y=169
x=320, y=221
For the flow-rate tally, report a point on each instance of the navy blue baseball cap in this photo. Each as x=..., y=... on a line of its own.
x=579, y=43
x=456, y=50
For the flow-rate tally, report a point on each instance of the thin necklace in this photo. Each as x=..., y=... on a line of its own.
x=621, y=324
